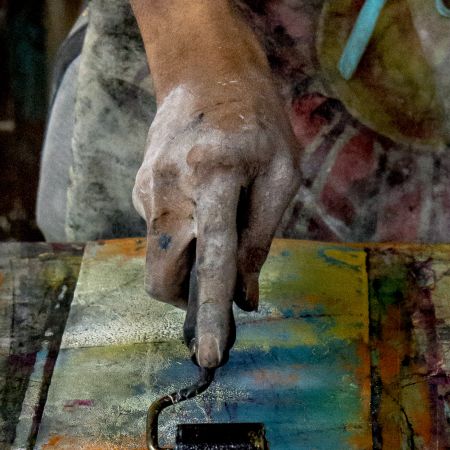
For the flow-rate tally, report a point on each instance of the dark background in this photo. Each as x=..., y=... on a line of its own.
x=30, y=34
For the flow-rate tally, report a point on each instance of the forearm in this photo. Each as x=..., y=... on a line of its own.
x=199, y=43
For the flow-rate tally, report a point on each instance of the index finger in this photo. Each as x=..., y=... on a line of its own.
x=216, y=259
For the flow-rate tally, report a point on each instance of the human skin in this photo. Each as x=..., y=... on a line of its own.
x=221, y=163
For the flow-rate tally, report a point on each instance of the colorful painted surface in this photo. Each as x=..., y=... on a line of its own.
x=347, y=351
x=409, y=310
x=37, y=282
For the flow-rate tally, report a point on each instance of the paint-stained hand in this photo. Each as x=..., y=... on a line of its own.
x=220, y=168
x=214, y=184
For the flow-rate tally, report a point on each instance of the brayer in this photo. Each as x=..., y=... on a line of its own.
x=206, y=436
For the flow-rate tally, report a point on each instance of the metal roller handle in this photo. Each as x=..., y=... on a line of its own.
x=155, y=409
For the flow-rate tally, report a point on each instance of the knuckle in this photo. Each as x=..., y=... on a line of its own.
x=143, y=183
x=284, y=171
x=162, y=168
x=160, y=163
x=142, y=193
x=208, y=159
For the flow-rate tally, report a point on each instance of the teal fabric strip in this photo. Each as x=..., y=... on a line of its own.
x=442, y=8
x=360, y=37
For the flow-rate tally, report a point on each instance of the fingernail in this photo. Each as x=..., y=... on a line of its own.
x=208, y=353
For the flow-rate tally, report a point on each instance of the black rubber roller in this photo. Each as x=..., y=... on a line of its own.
x=209, y=436
x=221, y=436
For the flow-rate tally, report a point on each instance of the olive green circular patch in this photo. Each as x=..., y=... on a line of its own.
x=393, y=90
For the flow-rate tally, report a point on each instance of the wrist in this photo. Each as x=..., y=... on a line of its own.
x=196, y=43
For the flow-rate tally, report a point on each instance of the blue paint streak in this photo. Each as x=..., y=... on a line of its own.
x=316, y=316
x=164, y=241
x=442, y=9
x=138, y=389
x=302, y=393
x=42, y=355
x=360, y=37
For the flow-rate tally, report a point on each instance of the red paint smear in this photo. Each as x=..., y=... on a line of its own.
x=75, y=403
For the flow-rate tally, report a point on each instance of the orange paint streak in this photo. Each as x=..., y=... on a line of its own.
x=362, y=438
x=362, y=373
x=73, y=442
x=53, y=441
x=416, y=402
x=411, y=401
x=390, y=349
x=125, y=248
x=2, y=278
x=391, y=346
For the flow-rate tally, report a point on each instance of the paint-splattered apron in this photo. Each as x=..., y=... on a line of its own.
x=375, y=162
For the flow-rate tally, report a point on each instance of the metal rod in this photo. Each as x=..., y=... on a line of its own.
x=155, y=409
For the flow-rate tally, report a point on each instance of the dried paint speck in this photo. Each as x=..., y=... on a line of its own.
x=164, y=241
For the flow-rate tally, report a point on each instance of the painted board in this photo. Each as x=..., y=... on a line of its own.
x=409, y=293
x=37, y=282
x=346, y=351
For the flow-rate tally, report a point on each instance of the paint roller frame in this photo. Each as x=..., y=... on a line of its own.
x=219, y=436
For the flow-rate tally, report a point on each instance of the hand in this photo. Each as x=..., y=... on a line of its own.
x=213, y=186
x=220, y=168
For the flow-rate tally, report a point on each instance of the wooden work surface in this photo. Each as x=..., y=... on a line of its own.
x=350, y=349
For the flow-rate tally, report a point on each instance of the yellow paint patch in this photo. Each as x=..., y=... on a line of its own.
x=319, y=279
